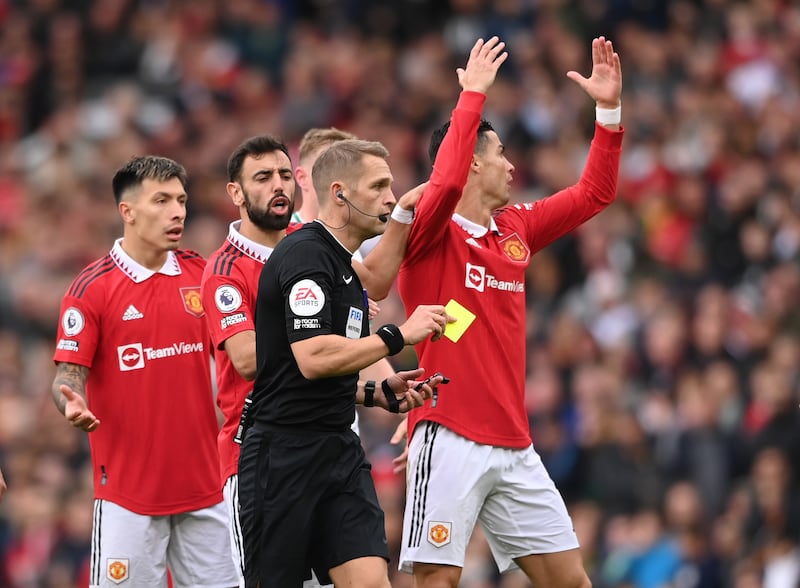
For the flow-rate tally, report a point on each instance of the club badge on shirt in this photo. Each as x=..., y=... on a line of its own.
x=515, y=249
x=192, y=301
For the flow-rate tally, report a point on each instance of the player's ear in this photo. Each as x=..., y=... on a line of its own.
x=301, y=177
x=234, y=190
x=126, y=211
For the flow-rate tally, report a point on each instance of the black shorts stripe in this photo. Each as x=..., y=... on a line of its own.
x=97, y=521
x=90, y=274
x=422, y=477
x=236, y=523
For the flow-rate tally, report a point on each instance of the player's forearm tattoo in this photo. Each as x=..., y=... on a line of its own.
x=71, y=375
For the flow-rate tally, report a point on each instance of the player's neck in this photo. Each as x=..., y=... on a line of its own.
x=144, y=254
x=266, y=237
x=475, y=211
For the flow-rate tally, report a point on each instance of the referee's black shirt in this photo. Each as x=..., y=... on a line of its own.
x=307, y=288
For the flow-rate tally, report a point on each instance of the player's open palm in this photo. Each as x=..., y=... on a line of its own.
x=76, y=410
x=605, y=83
x=426, y=320
x=484, y=61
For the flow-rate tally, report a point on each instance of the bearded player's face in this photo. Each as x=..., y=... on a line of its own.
x=268, y=190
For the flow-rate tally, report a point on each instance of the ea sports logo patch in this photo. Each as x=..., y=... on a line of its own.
x=72, y=321
x=117, y=569
x=439, y=533
x=131, y=357
x=227, y=298
x=306, y=298
x=475, y=277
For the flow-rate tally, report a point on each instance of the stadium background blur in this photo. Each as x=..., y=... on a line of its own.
x=663, y=341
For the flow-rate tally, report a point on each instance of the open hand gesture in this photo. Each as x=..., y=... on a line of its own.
x=484, y=61
x=77, y=412
x=605, y=83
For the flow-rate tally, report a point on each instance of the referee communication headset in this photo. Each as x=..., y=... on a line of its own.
x=381, y=217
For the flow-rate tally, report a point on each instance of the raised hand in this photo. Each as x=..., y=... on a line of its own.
x=605, y=83
x=484, y=61
x=76, y=410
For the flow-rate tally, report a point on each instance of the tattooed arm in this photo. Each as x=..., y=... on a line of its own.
x=69, y=395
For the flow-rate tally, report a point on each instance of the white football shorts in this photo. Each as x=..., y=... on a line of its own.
x=454, y=482
x=133, y=550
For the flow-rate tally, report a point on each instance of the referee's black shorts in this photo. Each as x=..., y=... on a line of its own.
x=306, y=500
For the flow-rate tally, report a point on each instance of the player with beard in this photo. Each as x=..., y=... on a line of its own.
x=261, y=184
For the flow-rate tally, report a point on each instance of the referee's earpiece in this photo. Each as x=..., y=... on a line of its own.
x=340, y=195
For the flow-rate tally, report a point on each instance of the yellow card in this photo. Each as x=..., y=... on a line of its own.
x=464, y=318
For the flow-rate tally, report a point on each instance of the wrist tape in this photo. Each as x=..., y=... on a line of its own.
x=403, y=216
x=608, y=116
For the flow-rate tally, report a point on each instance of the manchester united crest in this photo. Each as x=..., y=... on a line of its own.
x=117, y=569
x=192, y=301
x=515, y=248
x=439, y=533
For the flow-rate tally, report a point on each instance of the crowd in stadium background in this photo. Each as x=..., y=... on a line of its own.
x=663, y=336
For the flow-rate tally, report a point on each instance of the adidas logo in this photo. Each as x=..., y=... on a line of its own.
x=132, y=314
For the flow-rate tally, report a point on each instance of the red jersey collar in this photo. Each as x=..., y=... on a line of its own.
x=136, y=271
x=247, y=246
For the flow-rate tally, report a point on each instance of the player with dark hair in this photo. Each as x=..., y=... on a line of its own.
x=470, y=456
x=262, y=186
x=133, y=370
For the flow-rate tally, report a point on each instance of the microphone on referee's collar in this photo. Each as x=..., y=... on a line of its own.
x=384, y=218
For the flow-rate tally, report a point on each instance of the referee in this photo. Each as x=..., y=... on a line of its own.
x=307, y=499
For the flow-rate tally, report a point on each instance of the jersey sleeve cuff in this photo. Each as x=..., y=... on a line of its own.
x=473, y=101
x=607, y=138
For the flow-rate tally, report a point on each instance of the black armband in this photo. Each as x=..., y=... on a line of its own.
x=392, y=337
x=391, y=399
x=369, y=393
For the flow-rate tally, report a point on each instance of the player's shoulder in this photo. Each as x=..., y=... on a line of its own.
x=511, y=213
x=224, y=261
x=91, y=276
x=190, y=260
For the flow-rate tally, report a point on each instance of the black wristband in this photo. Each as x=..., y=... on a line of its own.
x=391, y=399
x=392, y=337
x=369, y=393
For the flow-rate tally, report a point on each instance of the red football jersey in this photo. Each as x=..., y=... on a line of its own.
x=144, y=337
x=229, y=289
x=450, y=258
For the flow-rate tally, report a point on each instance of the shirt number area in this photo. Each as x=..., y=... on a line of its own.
x=354, y=322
